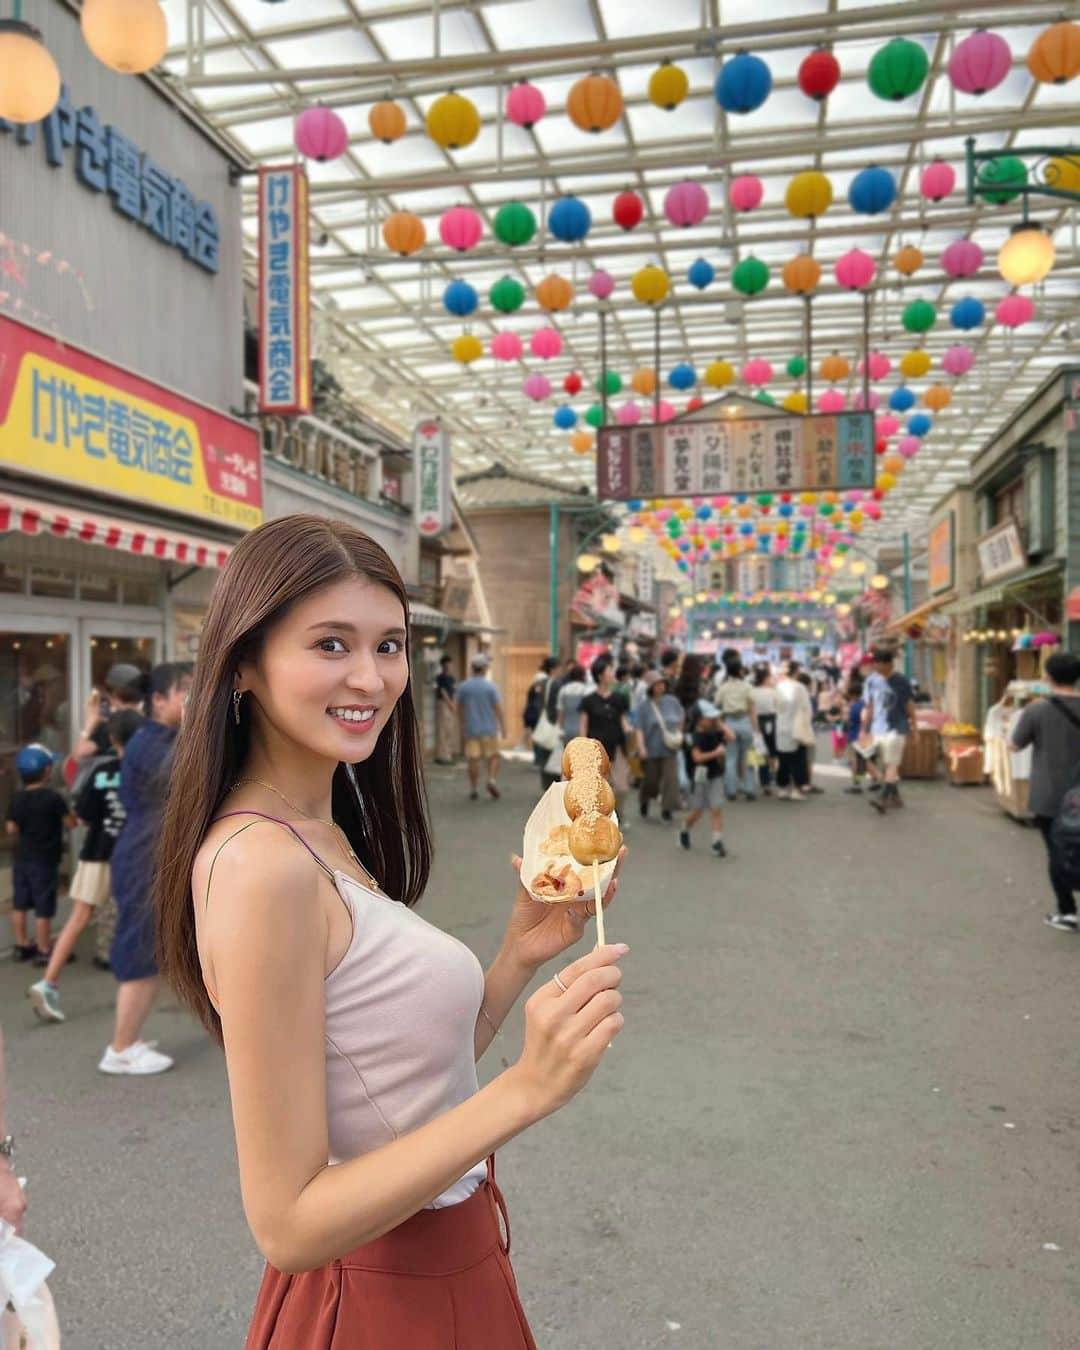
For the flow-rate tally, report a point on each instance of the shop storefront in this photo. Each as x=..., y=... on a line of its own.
x=125, y=479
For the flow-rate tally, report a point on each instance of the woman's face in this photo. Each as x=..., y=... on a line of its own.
x=331, y=671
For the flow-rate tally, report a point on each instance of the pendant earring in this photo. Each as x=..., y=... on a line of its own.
x=236, y=698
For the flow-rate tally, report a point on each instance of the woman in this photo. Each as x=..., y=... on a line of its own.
x=659, y=729
x=295, y=843
x=689, y=690
x=605, y=715
x=735, y=699
x=446, y=723
x=764, y=694
x=571, y=694
x=794, y=732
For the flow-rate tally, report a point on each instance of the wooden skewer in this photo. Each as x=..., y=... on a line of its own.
x=601, y=940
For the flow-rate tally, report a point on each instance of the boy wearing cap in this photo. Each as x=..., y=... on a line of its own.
x=36, y=817
x=706, y=756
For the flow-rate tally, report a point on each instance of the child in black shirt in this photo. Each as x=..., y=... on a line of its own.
x=705, y=765
x=36, y=817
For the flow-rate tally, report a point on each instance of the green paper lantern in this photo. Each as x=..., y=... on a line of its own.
x=751, y=276
x=1003, y=169
x=609, y=383
x=796, y=367
x=826, y=509
x=514, y=224
x=595, y=416
x=507, y=295
x=764, y=499
x=920, y=316
x=898, y=69
x=763, y=396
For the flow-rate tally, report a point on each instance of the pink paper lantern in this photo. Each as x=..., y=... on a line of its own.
x=855, y=496
x=319, y=133
x=506, y=347
x=525, y=105
x=808, y=511
x=873, y=405
x=545, y=343
x=686, y=204
x=962, y=258
x=1014, y=310
x=601, y=284
x=958, y=360
x=937, y=181
x=628, y=415
x=909, y=446
x=666, y=412
x=855, y=270
x=980, y=62
x=746, y=192
x=461, y=228
x=757, y=372
x=831, y=401
x=537, y=387
x=887, y=426
x=880, y=366
x=873, y=510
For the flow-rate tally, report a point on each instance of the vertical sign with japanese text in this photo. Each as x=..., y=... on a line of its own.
x=431, y=478
x=942, y=553
x=284, y=291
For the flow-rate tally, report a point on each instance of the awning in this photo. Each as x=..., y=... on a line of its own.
x=994, y=595
x=424, y=616
x=29, y=516
x=917, y=615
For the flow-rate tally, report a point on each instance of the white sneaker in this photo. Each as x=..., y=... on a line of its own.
x=140, y=1058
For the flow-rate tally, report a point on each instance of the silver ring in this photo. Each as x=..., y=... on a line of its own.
x=559, y=982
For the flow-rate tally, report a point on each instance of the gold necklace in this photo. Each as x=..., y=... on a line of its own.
x=322, y=820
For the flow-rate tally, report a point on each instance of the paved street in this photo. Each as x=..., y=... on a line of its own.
x=844, y=1113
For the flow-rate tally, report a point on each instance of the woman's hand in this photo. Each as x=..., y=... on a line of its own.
x=12, y=1198
x=538, y=932
x=567, y=1033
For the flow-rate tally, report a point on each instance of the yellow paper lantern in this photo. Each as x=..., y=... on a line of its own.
x=938, y=396
x=1063, y=173
x=467, y=348
x=835, y=367
x=885, y=481
x=801, y=274
x=594, y=104
x=554, y=293
x=796, y=402
x=404, y=233
x=808, y=195
x=855, y=519
x=643, y=382
x=1027, y=256
x=668, y=86
x=915, y=363
x=581, y=442
x=128, y=36
x=29, y=78
x=651, y=285
x=808, y=498
x=719, y=374
x=908, y=260
x=684, y=513
x=453, y=122
x=387, y=121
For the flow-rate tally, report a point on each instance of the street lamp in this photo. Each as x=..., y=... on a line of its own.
x=609, y=543
x=587, y=562
x=1027, y=256
x=880, y=582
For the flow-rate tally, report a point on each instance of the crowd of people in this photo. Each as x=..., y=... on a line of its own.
x=113, y=788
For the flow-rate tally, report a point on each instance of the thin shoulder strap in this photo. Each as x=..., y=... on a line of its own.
x=276, y=821
x=1065, y=711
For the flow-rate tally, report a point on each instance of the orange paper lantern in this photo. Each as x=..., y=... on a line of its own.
x=1054, y=57
x=387, y=121
x=595, y=103
x=908, y=260
x=834, y=368
x=581, y=442
x=938, y=396
x=404, y=233
x=801, y=274
x=554, y=293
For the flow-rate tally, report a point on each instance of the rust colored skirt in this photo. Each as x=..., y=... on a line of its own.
x=440, y=1281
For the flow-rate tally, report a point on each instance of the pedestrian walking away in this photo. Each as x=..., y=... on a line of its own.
x=794, y=733
x=99, y=808
x=37, y=817
x=295, y=845
x=888, y=715
x=735, y=699
x=659, y=728
x=144, y=782
x=1051, y=727
x=482, y=723
x=446, y=726
x=764, y=694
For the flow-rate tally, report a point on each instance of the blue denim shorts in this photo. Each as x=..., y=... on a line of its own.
x=35, y=887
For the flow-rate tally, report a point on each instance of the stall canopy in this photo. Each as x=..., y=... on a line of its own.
x=994, y=595
x=917, y=616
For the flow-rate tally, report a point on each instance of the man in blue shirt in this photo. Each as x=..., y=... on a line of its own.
x=482, y=723
x=889, y=716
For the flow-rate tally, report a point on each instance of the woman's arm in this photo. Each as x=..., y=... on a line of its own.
x=264, y=941
x=504, y=983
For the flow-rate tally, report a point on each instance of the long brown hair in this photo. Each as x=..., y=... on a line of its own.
x=380, y=804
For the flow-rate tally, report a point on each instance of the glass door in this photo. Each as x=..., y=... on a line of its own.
x=109, y=642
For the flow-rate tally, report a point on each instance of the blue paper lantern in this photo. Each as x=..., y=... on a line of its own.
x=701, y=274
x=636, y=505
x=900, y=400
x=704, y=513
x=565, y=418
x=460, y=299
x=872, y=190
x=744, y=83
x=746, y=529
x=683, y=565
x=967, y=313
x=570, y=220
x=919, y=425
x=682, y=376
x=786, y=510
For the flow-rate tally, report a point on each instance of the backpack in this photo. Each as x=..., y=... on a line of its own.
x=1065, y=828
